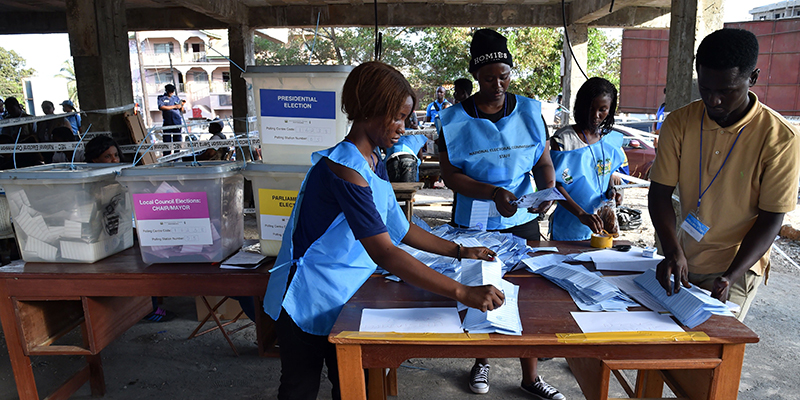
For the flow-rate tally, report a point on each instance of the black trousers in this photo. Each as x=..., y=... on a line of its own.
x=302, y=355
x=402, y=168
x=168, y=136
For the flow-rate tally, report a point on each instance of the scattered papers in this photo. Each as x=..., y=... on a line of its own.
x=613, y=260
x=411, y=320
x=589, y=290
x=243, y=260
x=533, y=200
x=629, y=287
x=635, y=321
x=691, y=307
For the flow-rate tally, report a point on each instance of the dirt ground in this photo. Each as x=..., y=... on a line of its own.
x=155, y=361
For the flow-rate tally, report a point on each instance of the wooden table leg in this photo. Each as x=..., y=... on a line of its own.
x=649, y=384
x=20, y=363
x=593, y=377
x=377, y=388
x=97, y=381
x=351, y=372
x=391, y=382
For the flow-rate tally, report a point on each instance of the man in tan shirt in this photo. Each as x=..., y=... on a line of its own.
x=736, y=164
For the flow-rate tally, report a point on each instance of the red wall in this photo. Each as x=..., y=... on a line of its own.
x=643, y=70
x=644, y=66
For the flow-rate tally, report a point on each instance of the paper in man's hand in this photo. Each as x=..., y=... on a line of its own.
x=532, y=200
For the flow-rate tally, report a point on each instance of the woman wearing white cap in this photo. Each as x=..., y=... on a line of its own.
x=490, y=146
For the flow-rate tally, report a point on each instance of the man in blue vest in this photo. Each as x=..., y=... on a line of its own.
x=437, y=105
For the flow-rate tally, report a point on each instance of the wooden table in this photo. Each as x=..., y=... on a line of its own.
x=41, y=302
x=693, y=370
x=404, y=191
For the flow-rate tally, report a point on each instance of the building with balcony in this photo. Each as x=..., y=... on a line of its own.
x=194, y=61
x=779, y=10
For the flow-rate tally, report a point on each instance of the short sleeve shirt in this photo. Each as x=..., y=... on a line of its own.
x=171, y=117
x=761, y=174
x=432, y=112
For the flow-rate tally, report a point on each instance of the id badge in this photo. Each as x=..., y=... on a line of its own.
x=694, y=227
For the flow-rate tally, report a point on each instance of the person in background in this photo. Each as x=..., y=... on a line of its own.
x=102, y=149
x=438, y=104
x=511, y=135
x=15, y=110
x=345, y=223
x=462, y=89
x=44, y=129
x=171, y=107
x=2, y=109
x=736, y=163
x=220, y=153
x=74, y=120
x=64, y=134
x=404, y=158
x=585, y=156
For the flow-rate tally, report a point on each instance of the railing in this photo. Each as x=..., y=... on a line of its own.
x=151, y=58
x=220, y=87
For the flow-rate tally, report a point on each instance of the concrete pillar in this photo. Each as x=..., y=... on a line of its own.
x=573, y=78
x=98, y=37
x=691, y=21
x=242, y=53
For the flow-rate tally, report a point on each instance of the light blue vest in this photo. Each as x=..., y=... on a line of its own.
x=578, y=171
x=336, y=265
x=501, y=154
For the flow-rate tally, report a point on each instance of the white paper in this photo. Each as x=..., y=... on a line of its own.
x=532, y=200
x=479, y=217
x=243, y=260
x=411, y=320
x=613, y=260
x=633, y=321
x=627, y=285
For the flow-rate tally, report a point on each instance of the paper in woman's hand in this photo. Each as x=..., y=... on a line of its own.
x=532, y=200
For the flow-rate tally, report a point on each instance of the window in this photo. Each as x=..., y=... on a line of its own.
x=200, y=77
x=163, y=77
x=224, y=100
x=163, y=48
x=196, y=47
x=777, y=16
x=226, y=76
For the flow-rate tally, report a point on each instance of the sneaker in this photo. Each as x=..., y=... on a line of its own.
x=542, y=390
x=479, y=378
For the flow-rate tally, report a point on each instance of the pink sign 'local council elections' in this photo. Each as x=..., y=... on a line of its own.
x=163, y=206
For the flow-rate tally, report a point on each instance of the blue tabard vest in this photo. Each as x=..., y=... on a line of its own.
x=578, y=171
x=336, y=265
x=501, y=154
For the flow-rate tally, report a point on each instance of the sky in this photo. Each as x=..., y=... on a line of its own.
x=47, y=53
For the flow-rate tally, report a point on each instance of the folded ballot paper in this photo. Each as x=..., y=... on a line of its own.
x=588, y=289
x=691, y=306
x=613, y=260
x=504, y=319
x=533, y=200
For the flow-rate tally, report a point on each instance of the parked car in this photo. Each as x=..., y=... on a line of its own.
x=640, y=151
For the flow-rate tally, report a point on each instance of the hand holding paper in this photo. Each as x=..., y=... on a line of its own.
x=533, y=200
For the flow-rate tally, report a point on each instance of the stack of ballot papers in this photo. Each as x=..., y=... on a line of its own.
x=691, y=306
x=244, y=260
x=588, y=289
x=504, y=319
x=614, y=260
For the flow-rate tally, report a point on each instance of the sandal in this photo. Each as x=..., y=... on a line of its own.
x=628, y=218
x=159, y=315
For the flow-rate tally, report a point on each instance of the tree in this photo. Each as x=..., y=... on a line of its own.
x=604, y=56
x=68, y=72
x=12, y=70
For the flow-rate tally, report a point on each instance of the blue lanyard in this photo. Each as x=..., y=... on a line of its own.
x=700, y=181
x=602, y=162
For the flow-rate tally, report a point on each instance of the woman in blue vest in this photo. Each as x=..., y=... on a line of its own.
x=585, y=155
x=492, y=146
x=345, y=222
